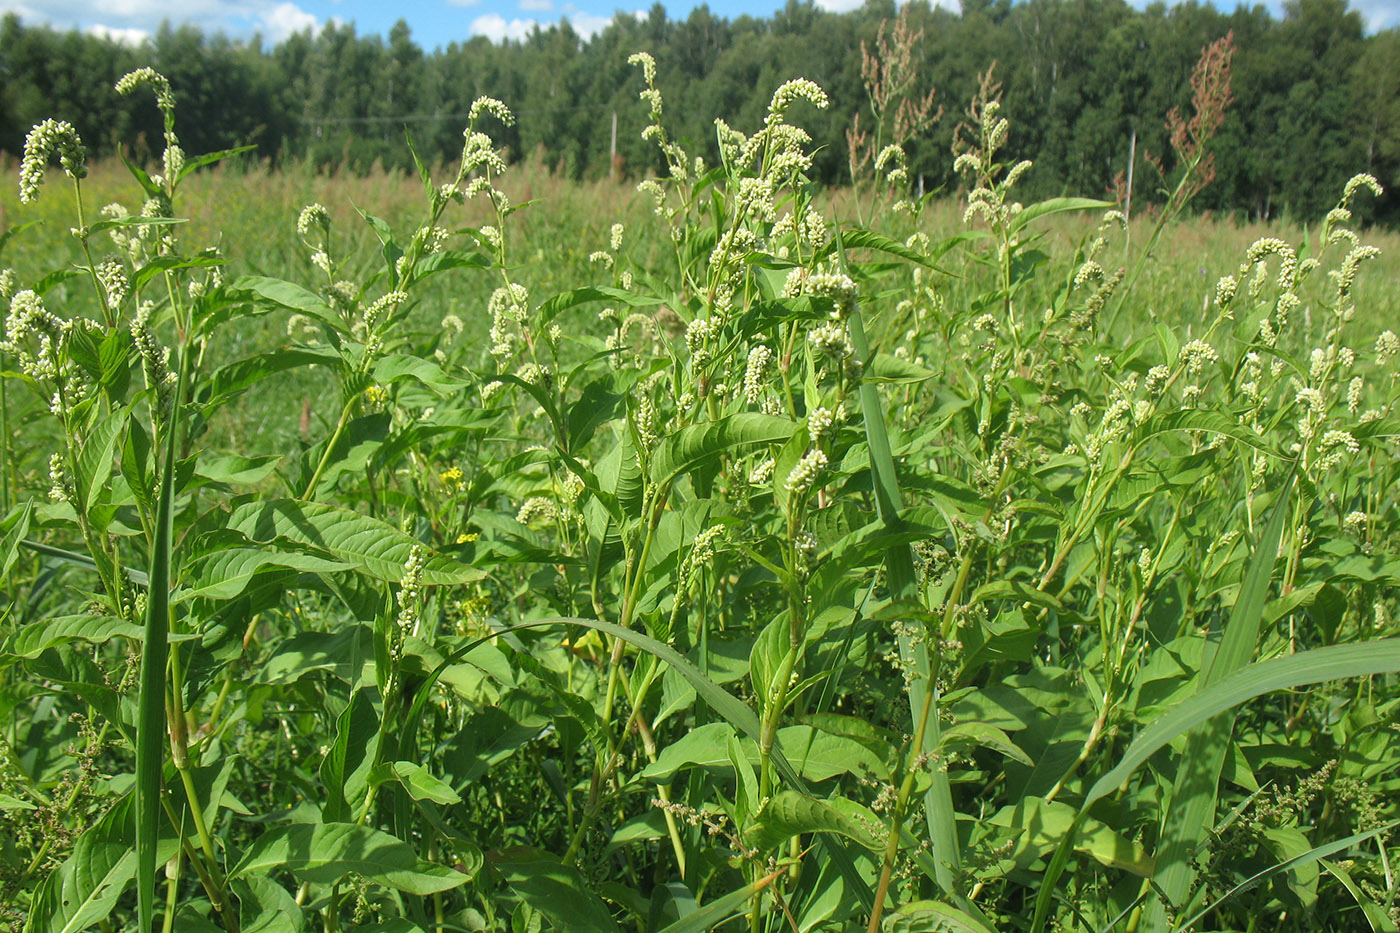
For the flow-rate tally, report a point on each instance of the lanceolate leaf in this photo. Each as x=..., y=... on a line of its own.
x=367, y=544
x=87, y=886
x=556, y=890
x=328, y=852
x=789, y=814
x=687, y=448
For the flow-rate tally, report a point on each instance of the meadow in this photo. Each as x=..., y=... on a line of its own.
x=482, y=550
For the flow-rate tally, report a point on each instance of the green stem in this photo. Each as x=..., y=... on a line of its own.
x=330, y=446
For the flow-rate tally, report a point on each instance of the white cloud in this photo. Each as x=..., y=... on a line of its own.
x=129, y=36
x=495, y=27
x=1378, y=14
x=589, y=25
x=537, y=6
x=840, y=6
x=130, y=20
x=286, y=19
x=463, y=2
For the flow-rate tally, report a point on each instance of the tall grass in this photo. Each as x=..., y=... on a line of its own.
x=500, y=553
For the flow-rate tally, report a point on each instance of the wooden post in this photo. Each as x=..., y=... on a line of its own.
x=1132, y=158
x=612, y=150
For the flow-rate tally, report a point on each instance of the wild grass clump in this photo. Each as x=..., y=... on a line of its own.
x=717, y=562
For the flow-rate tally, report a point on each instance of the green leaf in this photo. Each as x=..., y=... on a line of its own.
x=96, y=459
x=869, y=239
x=209, y=158
x=327, y=852
x=266, y=907
x=691, y=446
x=1210, y=422
x=288, y=295
x=717, y=911
x=367, y=544
x=1191, y=813
x=396, y=368
x=982, y=735
x=579, y=296
x=892, y=370
x=1039, y=827
x=228, y=572
x=417, y=780
x=556, y=890
x=236, y=470
x=1057, y=206
x=16, y=526
x=37, y=637
x=229, y=381
x=345, y=771
x=151, y=734
x=344, y=653
x=87, y=886
x=933, y=917
x=789, y=813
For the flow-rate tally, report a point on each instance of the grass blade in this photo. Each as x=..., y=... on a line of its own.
x=1191, y=813
x=150, y=735
x=1297, y=861
x=717, y=911
x=899, y=566
x=1336, y=662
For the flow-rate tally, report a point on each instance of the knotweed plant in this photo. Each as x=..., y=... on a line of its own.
x=783, y=573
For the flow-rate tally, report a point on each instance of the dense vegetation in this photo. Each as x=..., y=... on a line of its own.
x=739, y=556
x=1080, y=78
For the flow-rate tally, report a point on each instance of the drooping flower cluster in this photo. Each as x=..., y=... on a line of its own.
x=46, y=140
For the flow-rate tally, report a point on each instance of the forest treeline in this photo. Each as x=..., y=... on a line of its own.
x=1316, y=99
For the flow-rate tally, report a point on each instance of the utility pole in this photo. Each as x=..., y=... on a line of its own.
x=612, y=150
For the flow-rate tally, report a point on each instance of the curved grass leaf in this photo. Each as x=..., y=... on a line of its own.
x=1297, y=861
x=1191, y=812
x=327, y=852
x=1336, y=662
x=720, y=910
x=899, y=566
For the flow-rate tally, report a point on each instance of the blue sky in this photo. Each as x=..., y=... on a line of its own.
x=434, y=22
